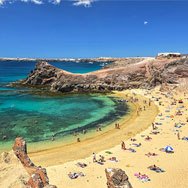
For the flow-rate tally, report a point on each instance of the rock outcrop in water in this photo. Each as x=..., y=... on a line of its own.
x=116, y=178
x=38, y=175
x=135, y=73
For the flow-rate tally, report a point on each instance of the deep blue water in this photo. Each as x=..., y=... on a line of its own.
x=59, y=115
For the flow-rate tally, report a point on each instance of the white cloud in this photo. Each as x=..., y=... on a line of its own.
x=2, y=1
x=38, y=2
x=145, y=23
x=86, y=3
x=55, y=1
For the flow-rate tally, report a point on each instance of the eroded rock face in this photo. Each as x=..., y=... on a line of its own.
x=39, y=178
x=143, y=74
x=116, y=178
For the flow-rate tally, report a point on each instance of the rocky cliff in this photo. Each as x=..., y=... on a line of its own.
x=138, y=73
x=117, y=178
x=38, y=175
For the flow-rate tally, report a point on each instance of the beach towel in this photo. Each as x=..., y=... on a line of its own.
x=135, y=145
x=108, y=152
x=158, y=123
x=157, y=170
x=151, y=155
x=143, y=178
x=175, y=130
x=131, y=150
x=100, y=163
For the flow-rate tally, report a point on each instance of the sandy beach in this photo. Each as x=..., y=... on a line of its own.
x=60, y=161
x=173, y=164
x=129, y=126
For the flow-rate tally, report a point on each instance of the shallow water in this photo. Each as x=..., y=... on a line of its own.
x=36, y=118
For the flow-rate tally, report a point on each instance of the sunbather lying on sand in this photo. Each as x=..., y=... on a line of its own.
x=135, y=145
x=155, y=168
x=179, y=113
x=141, y=177
x=130, y=149
x=148, y=138
x=113, y=159
x=82, y=165
x=177, y=125
x=75, y=175
x=164, y=150
x=155, y=132
x=149, y=154
x=133, y=139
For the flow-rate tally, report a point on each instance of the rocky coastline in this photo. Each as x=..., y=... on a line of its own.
x=123, y=74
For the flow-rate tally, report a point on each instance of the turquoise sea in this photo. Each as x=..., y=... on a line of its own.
x=36, y=117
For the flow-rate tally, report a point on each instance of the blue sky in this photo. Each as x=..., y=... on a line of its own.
x=89, y=28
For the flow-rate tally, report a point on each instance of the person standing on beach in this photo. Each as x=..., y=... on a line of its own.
x=178, y=135
x=94, y=157
x=123, y=145
x=149, y=102
x=153, y=126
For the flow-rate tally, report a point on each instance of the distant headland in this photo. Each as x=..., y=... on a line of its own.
x=100, y=59
x=125, y=73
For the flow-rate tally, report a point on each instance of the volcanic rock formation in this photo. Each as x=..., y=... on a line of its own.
x=116, y=178
x=38, y=175
x=144, y=73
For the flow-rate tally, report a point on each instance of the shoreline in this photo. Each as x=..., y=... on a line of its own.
x=43, y=145
x=128, y=128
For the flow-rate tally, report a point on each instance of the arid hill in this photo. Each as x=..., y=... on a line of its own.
x=119, y=75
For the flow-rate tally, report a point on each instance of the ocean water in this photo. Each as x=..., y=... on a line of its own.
x=36, y=117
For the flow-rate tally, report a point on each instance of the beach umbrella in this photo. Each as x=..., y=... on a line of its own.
x=169, y=148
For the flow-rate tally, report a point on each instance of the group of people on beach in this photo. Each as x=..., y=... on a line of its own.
x=101, y=158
